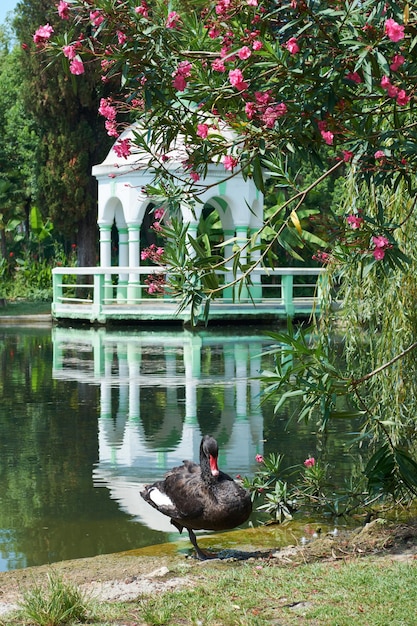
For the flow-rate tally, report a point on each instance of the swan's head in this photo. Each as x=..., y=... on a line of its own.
x=210, y=449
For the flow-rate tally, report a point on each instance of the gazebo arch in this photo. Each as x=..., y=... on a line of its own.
x=122, y=202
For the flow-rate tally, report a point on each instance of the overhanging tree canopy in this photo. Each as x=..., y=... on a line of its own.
x=328, y=82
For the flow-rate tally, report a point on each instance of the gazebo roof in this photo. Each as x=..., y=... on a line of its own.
x=141, y=159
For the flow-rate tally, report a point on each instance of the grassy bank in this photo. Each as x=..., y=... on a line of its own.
x=366, y=577
x=339, y=593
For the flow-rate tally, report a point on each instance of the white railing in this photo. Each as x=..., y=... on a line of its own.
x=103, y=288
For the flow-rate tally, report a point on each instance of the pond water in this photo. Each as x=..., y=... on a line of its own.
x=88, y=416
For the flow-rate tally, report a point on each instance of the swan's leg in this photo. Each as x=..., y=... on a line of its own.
x=200, y=554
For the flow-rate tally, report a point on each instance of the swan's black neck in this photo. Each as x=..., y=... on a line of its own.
x=208, y=459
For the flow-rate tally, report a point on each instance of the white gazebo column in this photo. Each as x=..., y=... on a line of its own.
x=229, y=235
x=105, y=257
x=134, y=291
x=123, y=262
x=241, y=292
x=256, y=286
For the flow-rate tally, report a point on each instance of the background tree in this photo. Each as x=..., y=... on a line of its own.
x=18, y=148
x=71, y=138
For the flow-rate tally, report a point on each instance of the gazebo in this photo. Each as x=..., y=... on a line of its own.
x=123, y=205
x=116, y=289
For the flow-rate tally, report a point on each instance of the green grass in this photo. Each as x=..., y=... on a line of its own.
x=56, y=604
x=259, y=593
x=24, y=307
x=333, y=594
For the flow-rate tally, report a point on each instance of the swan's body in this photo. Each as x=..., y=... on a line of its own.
x=200, y=497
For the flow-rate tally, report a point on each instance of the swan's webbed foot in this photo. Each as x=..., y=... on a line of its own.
x=202, y=556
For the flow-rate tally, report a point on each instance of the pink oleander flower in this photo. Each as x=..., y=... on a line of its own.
x=381, y=244
x=252, y=3
x=213, y=33
x=236, y=80
x=70, y=51
x=272, y=113
x=222, y=7
x=218, y=65
x=385, y=82
x=156, y=283
x=123, y=148
x=322, y=257
x=159, y=214
x=244, y=53
x=96, y=18
x=380, y=241
x=263, y=97
x=76, y=67
x=328, y=136
x=379, y=154
x=354, y=77
x=63, y=10
x=111, y=128
x=257, y=45
x=137, y=103
x=106, y=64
x=43, y=34
x=354, y=221
x=378, y=254
x=310, y=462
x=195, y=176
x=229, y=162
x=121, y=37
x=292, y=46
x=152, y=253
x=224, y=52
x=202, y=130
x=392, y=91
x=250, y=110
x=142, y=10
x=259, y=458
x=393, y=30
x=173, y=20
x=152, y=288
x=396, y=62
x=402, y=98
x=181, y=74
x=106, y=109
x=347, y=156
x=180, y=82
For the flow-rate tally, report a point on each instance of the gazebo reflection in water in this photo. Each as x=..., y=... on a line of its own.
x=160, y=390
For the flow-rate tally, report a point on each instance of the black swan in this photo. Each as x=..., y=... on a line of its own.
x=200, y=497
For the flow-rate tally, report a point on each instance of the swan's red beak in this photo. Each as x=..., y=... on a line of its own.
x=213, y=465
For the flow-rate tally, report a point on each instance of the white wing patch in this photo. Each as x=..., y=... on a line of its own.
x=159, y=498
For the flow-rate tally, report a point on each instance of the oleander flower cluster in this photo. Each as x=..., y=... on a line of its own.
x=336, y=83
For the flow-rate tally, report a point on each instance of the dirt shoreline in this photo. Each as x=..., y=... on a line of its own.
x=124, y=576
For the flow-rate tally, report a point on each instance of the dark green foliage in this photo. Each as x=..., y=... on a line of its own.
x=69, y=134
